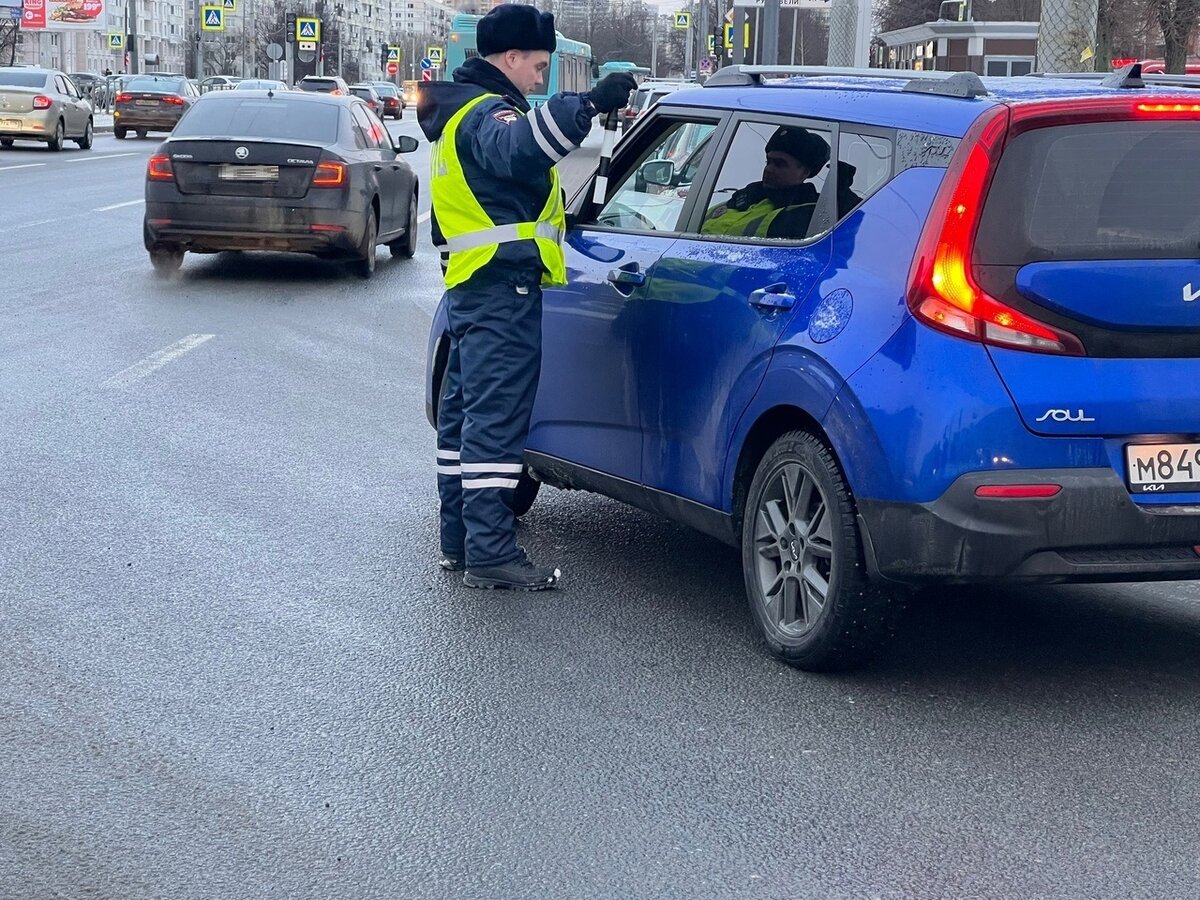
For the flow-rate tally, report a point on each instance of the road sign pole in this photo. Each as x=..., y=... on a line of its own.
x=739, y=35
x=770, y=33
x=132, y=45
x=687, y=63
x=702, y=32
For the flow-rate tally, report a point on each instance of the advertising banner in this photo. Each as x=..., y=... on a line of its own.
x=63, y=15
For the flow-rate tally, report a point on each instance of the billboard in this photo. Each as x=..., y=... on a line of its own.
x=63, y=15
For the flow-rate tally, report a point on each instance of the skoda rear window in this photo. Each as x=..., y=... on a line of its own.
x=254, y=117
x=1117, y=190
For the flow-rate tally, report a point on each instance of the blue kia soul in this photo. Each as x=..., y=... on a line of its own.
x=885, y=329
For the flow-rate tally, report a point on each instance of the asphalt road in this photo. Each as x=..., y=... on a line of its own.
x=229, y=666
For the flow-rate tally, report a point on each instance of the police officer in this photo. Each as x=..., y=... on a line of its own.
x=498, y=220
x=782, y=203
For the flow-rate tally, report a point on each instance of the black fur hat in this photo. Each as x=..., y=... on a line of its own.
x=514, y=26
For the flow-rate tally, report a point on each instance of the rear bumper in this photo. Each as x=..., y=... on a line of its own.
x=1091, y=531
x=27, y=126
x=226, y=223
x=148, y=121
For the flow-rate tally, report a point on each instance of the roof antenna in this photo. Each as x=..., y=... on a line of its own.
x=1128, y=77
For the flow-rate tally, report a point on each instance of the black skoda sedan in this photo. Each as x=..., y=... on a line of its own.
x=258, y=170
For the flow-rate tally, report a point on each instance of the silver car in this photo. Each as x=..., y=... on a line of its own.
x=43, y=105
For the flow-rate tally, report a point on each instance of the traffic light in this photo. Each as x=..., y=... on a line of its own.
x=289, y=27
x=383, y=56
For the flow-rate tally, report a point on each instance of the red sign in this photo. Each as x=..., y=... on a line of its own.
x=393, y=68
x=427, y=74
x=1122, y=63
x=34, y=14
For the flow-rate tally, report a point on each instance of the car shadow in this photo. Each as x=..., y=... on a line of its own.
x=1016, y=637
x=253, y=266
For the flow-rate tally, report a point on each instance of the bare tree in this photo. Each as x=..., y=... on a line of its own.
x=1177, y=19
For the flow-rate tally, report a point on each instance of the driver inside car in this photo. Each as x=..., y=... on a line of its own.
x=782, y=203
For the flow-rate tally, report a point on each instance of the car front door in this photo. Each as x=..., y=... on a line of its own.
x=69, y=101
x=587, y=404
x=720, y=298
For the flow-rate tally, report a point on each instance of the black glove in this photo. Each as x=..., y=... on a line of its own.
x=612, y=92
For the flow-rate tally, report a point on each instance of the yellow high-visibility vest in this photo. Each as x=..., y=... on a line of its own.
x=471, y=237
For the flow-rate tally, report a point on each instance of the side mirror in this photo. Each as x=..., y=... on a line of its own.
x=660, y=172
x=406, y=144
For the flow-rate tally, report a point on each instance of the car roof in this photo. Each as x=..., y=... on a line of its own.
x=882, y=100
x=285, y=97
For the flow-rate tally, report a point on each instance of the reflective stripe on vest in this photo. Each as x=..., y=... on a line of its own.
x=755, y=221
x=471, y=237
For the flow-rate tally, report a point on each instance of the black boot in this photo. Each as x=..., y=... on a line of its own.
x=518, y=575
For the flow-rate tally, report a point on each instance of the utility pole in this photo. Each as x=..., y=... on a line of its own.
x=131, y=15
x=687, y=53
x=654, y=42
x=770, y=33
x=739, y=35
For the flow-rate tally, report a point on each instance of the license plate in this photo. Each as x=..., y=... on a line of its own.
x=248, y=173
x=1163, y=468
x=146, y=102
x=13, y=124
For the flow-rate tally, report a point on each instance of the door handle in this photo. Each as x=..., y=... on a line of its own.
x=773, y=297
x=378, y=168
x=629, y=275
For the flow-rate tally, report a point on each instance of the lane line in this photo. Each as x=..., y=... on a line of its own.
x=26, y=166
x=117, y=206
x=423, y=217
x=156, y=361
x=106, y=156
x=31, y=225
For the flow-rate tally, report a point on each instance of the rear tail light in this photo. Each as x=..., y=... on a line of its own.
x=327, y=229
x=1168, y=109
x=122, y=98
x=174, y=101
x=1018, y=491
x=159, y=168
x=329, y=175
x=41, y=101
x=942, y=289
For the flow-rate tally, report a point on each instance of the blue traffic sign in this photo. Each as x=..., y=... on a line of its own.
x=426, y=63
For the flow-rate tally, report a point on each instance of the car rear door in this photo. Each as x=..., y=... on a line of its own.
x=718, y=303
x=1092, y=226
x=385, y=165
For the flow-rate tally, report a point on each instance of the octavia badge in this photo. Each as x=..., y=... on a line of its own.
x=241, y=152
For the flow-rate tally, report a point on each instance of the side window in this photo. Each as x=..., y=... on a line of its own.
x=769, y=183
x=60, y=85
x=652, y=194
x=367, y=129
x=864, y=166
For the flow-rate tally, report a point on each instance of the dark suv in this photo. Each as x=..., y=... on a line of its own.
x=881, y=329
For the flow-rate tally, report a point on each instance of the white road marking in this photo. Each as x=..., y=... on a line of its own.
x=26, y=166
x=30, y=225
x=106, y=156
x=423, y=217
x=117, y=206
x=156, y=361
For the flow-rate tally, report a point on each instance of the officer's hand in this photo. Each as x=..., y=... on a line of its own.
x=612, y=92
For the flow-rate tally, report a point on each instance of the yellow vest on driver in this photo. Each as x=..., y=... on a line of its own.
x=471, y=237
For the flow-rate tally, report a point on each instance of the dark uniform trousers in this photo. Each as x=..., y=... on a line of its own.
x=483, y=421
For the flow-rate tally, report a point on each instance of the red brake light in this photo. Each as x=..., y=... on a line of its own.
x=174, y=101
x=329, y=174
x=942, y=289
x=41, y=101
x=1169, y=109
x=1017, y=491
x=159, y=168
x=122, y=98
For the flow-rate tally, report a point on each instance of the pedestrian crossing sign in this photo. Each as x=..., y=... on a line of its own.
x=308, y=29
x=683, y=20
x=116, y=40
x=435, y=54
x=712, y=44
x=393, y=53
x=212, y=18
x=230, y=6
x=729, y=37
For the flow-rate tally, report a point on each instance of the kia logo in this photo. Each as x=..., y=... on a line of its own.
x=241, y=152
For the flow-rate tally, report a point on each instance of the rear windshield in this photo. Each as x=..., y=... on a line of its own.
x=1118, y=190
x=162, y=85
x=386, y=90
x=361, y=92
x=23, y=79
x=259, y=117
x=314, y=84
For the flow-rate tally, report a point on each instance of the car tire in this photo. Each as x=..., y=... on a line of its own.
x=85, y=142
x=802, y=559
x=120, y=133
x=364, y=264
x=406, y=247
x=141, y=133
x=55, y=143
x=525, y=494
x=166, y=260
